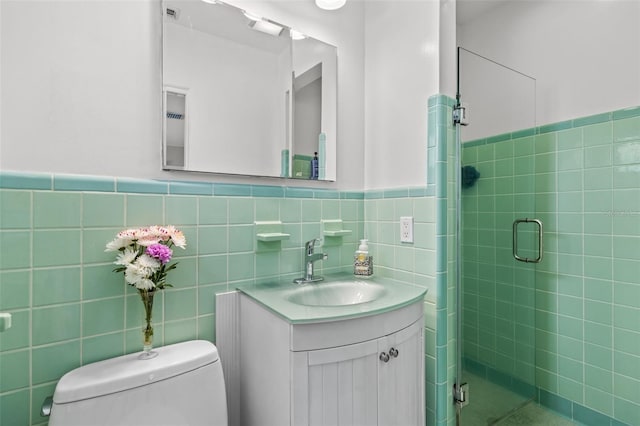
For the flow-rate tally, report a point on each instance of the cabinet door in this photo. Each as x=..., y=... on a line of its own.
x=401, y=378
x=341, y=386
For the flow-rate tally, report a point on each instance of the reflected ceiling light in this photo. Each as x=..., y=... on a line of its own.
x=296, y=35
x=211, y=1
x=262, y=25
x=266, y=27
x=330, y=4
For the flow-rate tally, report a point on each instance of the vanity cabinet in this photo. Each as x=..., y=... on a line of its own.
x=366, y=370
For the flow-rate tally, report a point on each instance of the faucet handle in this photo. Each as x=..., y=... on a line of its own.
x=309, y=246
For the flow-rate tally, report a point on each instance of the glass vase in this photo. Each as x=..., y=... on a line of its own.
x=147, y=330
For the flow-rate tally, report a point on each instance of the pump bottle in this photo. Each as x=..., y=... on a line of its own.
x=362, y=261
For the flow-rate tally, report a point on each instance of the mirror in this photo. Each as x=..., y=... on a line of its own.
x=245, y=95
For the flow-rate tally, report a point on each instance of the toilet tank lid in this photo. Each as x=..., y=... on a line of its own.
x=128, y=372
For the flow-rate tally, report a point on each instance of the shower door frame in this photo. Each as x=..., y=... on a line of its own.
x=460, y=389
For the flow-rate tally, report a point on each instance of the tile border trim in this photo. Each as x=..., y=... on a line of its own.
x=89, y=183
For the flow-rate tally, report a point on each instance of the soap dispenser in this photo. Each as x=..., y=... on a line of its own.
x=362, y=261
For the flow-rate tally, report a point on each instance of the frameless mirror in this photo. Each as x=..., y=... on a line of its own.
x=245, y=95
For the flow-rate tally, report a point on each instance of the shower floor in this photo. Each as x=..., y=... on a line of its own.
x=490, y=404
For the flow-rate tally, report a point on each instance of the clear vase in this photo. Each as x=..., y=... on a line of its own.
x=147, y=331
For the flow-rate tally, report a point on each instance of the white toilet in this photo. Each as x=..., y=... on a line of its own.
x=183, y=386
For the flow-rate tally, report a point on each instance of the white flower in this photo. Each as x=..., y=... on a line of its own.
x=118, y=244
x=177, y=237
x=148, y=240
x=126, y=257
x=134, y=274
x=145, y=284
x=129, y=234
x=148, y=263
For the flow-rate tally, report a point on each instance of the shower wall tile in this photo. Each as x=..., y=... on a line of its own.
x=52, y=362
x=56, y=248
x=56, y=285
x=598, y=134
x=102, y=316
x=143, y=210
x=15, y=209
x=47, y=323
x=586, y=191
x=100, y=347
x=183, y=210
x=14, y=287
x=16, y=249
x=626, y=129
x=102, y=210
x=15, y=370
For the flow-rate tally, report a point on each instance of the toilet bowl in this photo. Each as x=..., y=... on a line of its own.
x=183, y=385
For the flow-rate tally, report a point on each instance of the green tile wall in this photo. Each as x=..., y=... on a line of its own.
x=581, y=306
x=97, y=316
x=414, y=263
x=70, y=309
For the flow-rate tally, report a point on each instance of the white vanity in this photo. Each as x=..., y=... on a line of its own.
x=348, y=353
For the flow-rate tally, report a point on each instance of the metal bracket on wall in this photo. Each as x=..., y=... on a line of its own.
x=461, y=394
x=460, y=115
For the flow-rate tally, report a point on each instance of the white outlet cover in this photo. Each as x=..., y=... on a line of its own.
x=406, y=229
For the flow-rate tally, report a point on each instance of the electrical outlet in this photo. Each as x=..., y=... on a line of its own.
x=406, y=229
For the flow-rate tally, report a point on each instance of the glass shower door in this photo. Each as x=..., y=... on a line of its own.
x=497, y=344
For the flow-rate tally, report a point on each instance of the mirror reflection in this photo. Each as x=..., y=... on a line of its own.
x=245, y=95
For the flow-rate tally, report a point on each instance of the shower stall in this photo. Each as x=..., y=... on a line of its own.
x=548, y=271
x=501, y=231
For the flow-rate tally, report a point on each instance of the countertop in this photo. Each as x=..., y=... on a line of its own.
x=275, y=296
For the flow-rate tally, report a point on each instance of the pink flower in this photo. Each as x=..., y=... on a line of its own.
x=160, y=252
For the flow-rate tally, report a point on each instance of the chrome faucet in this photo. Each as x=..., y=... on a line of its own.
x=310, y=256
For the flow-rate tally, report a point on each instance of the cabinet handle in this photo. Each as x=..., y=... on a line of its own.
x=394, y=352
x=384, y=357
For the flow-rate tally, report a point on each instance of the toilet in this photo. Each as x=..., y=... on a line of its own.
x=183, y=385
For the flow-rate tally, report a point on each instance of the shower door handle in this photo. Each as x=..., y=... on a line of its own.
x=515, y=240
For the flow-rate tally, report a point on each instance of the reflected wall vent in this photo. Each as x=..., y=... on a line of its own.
x=173, y=13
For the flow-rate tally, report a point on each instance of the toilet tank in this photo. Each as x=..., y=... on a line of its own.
x=183, y=385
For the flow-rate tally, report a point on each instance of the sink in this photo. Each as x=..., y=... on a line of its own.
x=337, y=293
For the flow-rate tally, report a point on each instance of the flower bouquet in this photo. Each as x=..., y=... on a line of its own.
x=144, y=255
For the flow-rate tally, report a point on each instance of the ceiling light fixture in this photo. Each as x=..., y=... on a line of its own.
x=330, y=4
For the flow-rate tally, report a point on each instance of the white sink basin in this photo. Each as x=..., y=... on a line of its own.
x=336, y=293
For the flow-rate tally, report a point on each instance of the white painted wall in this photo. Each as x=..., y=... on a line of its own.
x=81, y=86
x=401, y=73
x=585, y=55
